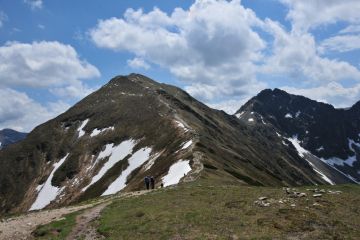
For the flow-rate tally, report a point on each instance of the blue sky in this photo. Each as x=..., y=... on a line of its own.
x=53, y=53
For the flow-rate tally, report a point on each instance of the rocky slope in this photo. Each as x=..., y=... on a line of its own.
x=9, y=136
x=322, y=134
x=133, y=127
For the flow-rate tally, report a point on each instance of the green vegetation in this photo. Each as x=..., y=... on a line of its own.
x=205, y=210
x=56, y=230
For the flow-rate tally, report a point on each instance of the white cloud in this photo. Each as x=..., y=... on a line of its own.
x=40, y=26
x=351, y=29
x=3, y=18
x=229, y=106
x=51, y=66
x=138, y=63
x=310, y=14
x=19, y=112
x=34, y=4
x=75, y=91
x=295, y=55
x=211, y=44
x=42, y=64
x=340, y=43
x=332, y=92
x=215, y=48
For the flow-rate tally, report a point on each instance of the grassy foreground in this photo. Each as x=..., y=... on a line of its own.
x=208, y=210
x=203, y=210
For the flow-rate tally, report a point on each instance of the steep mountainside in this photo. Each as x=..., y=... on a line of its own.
x=133, y=127
x=9, y=136
x=317, y=129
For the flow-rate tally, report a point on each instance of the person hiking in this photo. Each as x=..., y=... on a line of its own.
x=152, y=181
x=147, y=182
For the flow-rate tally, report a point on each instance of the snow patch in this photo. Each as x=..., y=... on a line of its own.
x=176, y=172
x=323, y=176
x=352, y=142
x=81, y=128
x=238, y=115
x=301, y=151
x=250, y=119
x=135, y=161
x=115, y=154
x=278, y=134
x=340, y=162
x=320, y=149
x=151, y=161
x=181, y=125
x=294, y=140
x=187, y=144
x=262, y=120
x=297, y=114
x=47, y=191
x=97, y=131
x=288, y=115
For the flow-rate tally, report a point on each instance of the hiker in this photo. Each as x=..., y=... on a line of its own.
x=152, y=181
x=147, y=182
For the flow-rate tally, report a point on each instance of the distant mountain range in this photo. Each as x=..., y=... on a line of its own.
x=135, y=127
x=328, y=134
x=9, y=136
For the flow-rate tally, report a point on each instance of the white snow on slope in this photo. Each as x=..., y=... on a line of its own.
x=238, y=115
x=151, y=161
x=81, y=128
x=294, y=140
x=297, y=113
x=47, y=191
x=116, y=153
x=187, y=144
x=97, y=131
x=250, y=119
x=181, y=125
x=352, y=142
x=288, y=115
x=262, y=120
x=320, y=149
x=176, y=172
x=301, y=151
x=340, y=162
x=333, y=167
x=323, y=176
x=135, y=161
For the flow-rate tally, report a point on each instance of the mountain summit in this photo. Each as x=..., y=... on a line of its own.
x=9, y=136
x=327, y=133
x=134, y=127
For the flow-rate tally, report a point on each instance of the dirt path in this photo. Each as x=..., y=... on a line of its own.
x=21, y=227
x=84, y=228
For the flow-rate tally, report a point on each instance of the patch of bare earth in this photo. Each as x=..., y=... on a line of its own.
x=84, y=228
x=22, y=226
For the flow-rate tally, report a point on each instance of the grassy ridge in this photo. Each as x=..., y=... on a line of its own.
x=204, y=210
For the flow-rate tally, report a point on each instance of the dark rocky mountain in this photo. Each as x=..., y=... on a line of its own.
x=9, y=136
x=331, y=135
x=133, y=127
